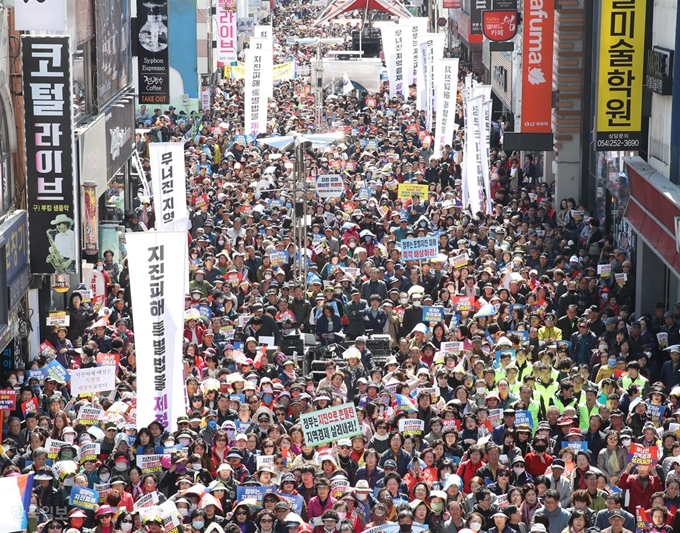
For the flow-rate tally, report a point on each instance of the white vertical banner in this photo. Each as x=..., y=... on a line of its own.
x=418, y=27
x=433, y=50
x=486, y=151
x=259, y=78
x=266, y=33
x=393, y=39
x=226, y=32
x=158, y=274
x=474, y=153
x=168, y=184
x=467, y=94
x=446, y=85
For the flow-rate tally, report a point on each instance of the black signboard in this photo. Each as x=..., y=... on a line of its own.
x=151, y=37
x=49, y=154
x=114, y=55
x=504, y=5
x=476, y=8
x=659, y=71
x=120, y=134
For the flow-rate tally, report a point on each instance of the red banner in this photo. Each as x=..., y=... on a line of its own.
x=499, y=25
x=537, y=65
x=451, y=4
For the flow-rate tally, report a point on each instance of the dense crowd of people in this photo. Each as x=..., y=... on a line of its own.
x=549, y=404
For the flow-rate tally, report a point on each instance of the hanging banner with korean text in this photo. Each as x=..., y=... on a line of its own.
x=431, y=48
x=258, y=81
x=393, y=40
x=621, y=75
x=537, y=58
x=157, y=282
x=169, y=191
x=417, y=26
x=329, y=425
x=419, y=249
x=153, y=65
x=49, y=154
x=446, y=88
x=226, y=32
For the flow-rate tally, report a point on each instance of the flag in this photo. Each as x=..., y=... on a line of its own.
x=16, y=497
x=405, y=404
x=347, y=85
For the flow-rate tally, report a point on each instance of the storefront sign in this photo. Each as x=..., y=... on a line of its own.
x=659, y=71
x=619, y=99
x=537, y=59
x=499, y=26
x=153, y=67
x=114, y=57
x=226, y=32
x=40, y=15
x=476, y=9
x=451, y=4
x=501, y=77
x=49, y=154
x=92, y=154
x=120, y=124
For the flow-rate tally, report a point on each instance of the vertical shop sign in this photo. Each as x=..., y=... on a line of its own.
x=153, y=67
x=621, y=74
x=537, y=58
x=49, y=154
x=226, y=32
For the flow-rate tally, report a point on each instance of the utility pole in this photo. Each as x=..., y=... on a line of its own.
x=300, y=208
x=318, y=88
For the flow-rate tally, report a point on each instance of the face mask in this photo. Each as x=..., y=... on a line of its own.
x=196, y=466
x=480, y=390
x=126, y=526
x=183, y=511
x=603, y=347
x=20, y=378
x=104, y=476
x=405, y=528
x=267, y=276
x=100, y=268
x=437, y=508
x=404, y=301
x=212, y=424
x=341, y=516
x=475, y=526
x=416, y=303
x=169, y=443
x=68, y=482
x=197, y=525
x=540, y=447
x=352, y=245
x=120, y=466
x=518, y=470
x=611, y=363
x=361, y=497
x=32, y=508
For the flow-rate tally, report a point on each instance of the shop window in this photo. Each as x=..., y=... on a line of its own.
x=6, y=180
x=83, y=83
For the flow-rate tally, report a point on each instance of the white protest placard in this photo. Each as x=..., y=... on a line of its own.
x=604, y=271
x=53, y=446
x=150, y=463
x=411, y=426
x=89, y=452
x=147, y=500
x=90, y=415
x=339, y=487
x=330, y=185
x=86, y=380
x=419, y=249
x=452, y=347
x=265, y=460
x=328, y=425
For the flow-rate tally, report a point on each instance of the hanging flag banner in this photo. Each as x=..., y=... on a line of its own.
x=266, y=34
x=433, y=50
x=258, y=80
x=417, y=28
x=485, y=140
x=153, y=65
x=446, y=84
x=393, y=39
x=473, y=157
x=169, y=191
x=49, y=154
x=16, y=497
x=157, y=284
x=621, y=75
x=538, y=21
x=226, y=32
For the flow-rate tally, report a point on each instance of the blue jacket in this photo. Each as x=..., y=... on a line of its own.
x=402, y=458
x=373, y=477
x=322, y=327
x=376, y=323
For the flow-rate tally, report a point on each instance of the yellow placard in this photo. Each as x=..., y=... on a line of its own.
x=283, y=71
x=407, y=190
x=621, y=74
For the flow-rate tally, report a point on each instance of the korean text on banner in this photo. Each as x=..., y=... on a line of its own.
x=643, y=455
x=256, y=493
x=8, y=399
x=328, y=425
x=330, y=185
x=169, y=191
x=419, y=249
x=159, y=295
x=226, y=32
x=259, y=81
x=621, y=76
x=49, y=133
x=98, y=379
x=393, y=39
x=83, y=497
x=446, y=83
x=537, y=58
x=417, y=28
x=407, y=190
x=411, y=426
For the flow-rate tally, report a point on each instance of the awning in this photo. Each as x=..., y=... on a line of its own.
x=393, y=7
x=656, y=236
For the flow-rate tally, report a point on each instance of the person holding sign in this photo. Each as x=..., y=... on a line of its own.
x=640, y=486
